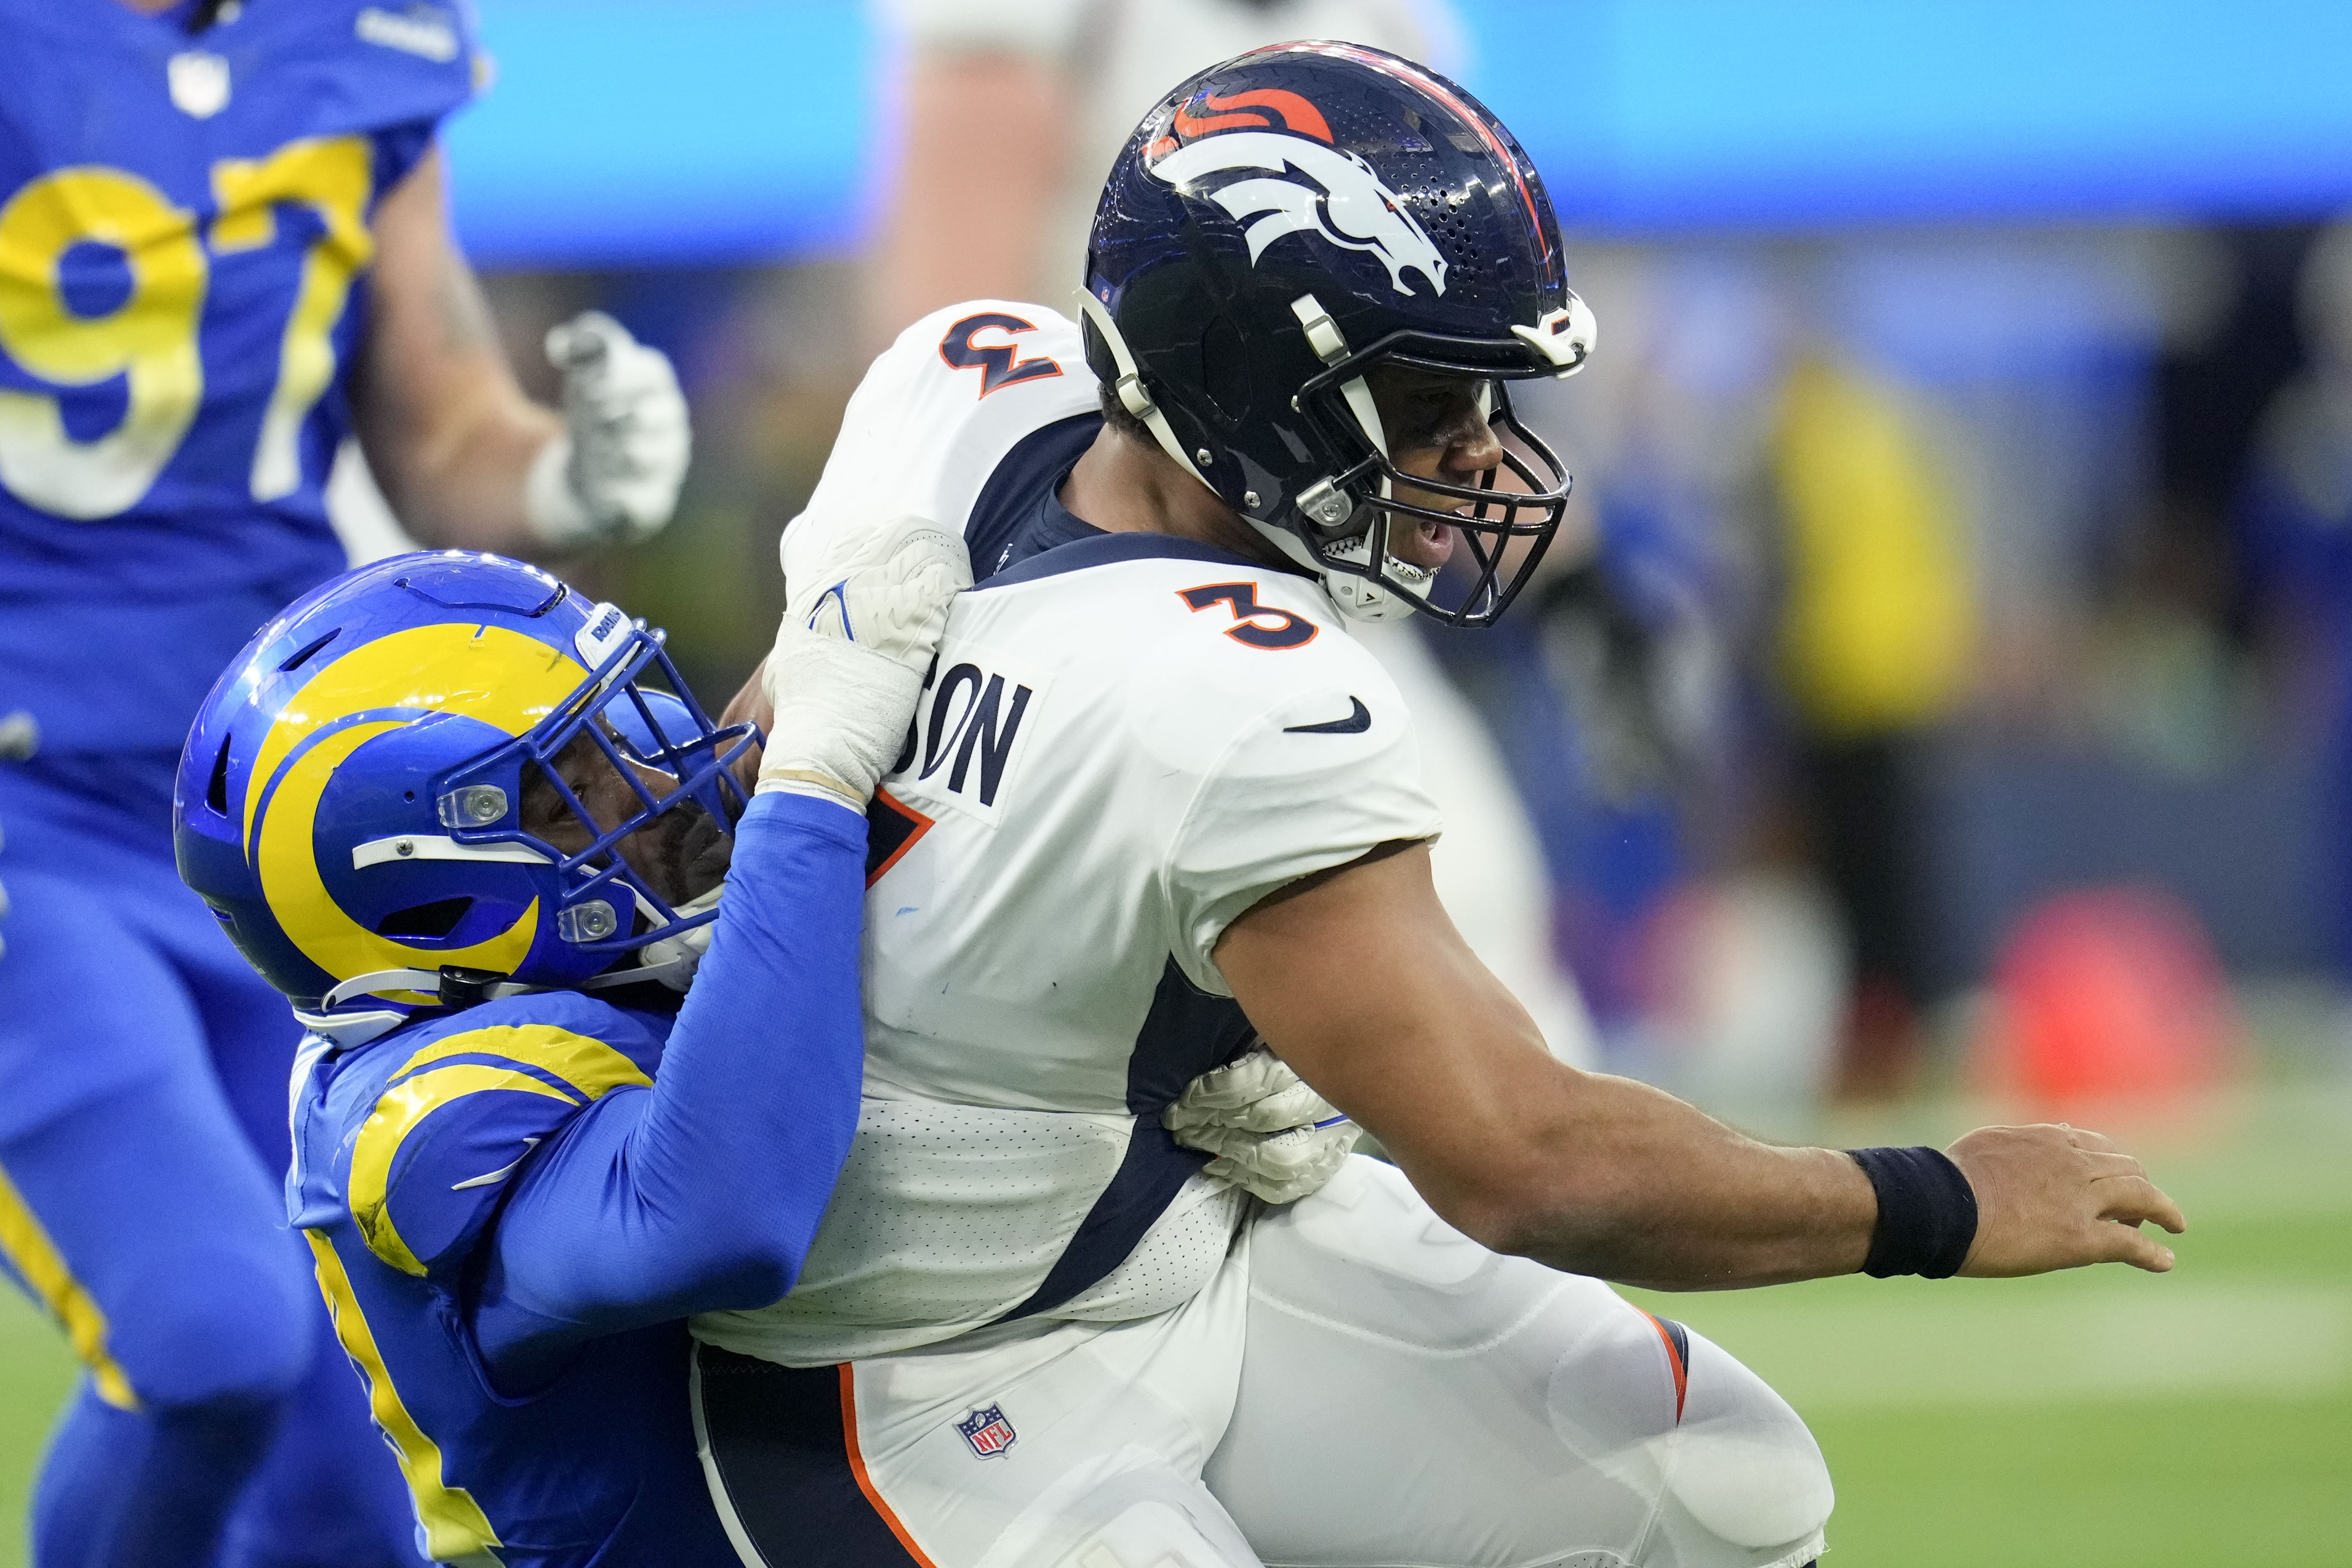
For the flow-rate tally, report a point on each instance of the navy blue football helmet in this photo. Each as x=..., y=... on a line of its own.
x=371, y=799
x=1283, y=225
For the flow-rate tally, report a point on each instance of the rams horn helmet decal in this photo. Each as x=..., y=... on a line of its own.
x=350, y=802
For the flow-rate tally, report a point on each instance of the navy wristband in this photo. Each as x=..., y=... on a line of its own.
x=1927, y=1213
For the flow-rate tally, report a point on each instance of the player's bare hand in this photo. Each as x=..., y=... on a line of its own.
x=2055, y=1196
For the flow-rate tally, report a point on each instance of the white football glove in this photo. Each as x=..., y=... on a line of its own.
x=1274, y=1137
x=612, y=477
x=863, y=611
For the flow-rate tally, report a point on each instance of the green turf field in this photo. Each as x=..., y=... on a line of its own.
x=2105, y=1420
x=2102, y=1419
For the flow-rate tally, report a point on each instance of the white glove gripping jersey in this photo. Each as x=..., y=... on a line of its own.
x=1128, y=740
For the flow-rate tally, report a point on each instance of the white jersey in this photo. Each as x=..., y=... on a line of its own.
x=1128, y=740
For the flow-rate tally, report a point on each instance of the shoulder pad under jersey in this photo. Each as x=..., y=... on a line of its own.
x=941, y=407
x=463, y=1102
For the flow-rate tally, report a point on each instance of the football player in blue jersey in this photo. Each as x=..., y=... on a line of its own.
x=443, y=804
x=222, y=247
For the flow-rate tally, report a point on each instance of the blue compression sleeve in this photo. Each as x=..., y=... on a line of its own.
x=704, y=1192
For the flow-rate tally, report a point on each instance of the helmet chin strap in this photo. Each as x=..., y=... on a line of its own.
x=1359, y=598
x=1331, y=346
x=672, y=961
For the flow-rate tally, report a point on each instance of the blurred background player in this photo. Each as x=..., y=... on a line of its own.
x=222, y=247
x=1042, y=96
x=2295, y=518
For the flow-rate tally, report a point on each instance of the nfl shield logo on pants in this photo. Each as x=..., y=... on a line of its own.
x=987, y=1431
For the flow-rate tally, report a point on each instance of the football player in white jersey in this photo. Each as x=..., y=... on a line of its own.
x=1043, y=94
x=1157, y=812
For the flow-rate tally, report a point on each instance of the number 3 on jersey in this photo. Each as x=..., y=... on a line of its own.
x=1258, y=626
x=149, y=337
x=999, y=364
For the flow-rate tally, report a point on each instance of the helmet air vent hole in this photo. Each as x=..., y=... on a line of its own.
x=430, y=921
x=301, y=655
x=216, y=791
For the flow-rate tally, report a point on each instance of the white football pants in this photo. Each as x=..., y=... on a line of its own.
x=1359, y=1385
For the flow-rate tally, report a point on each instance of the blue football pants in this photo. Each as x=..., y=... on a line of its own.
x=142, y=1150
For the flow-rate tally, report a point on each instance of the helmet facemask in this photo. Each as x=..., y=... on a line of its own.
x=606, y=781
x=1503, y=517
x=1291, y=221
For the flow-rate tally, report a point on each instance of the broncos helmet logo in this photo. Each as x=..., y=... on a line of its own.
x=1312, y=186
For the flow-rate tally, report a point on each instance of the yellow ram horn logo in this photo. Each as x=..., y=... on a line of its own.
x=487, y=673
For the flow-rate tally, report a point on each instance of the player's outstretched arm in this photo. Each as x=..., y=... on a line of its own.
x=1360, y=980
x=467, y=460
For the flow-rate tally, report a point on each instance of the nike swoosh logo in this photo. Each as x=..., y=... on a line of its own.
x=1356, y=723
x=500, y=1174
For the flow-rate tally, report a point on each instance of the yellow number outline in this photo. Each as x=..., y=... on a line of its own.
x=334, y=176
x=151, y=338
x=456, y=1531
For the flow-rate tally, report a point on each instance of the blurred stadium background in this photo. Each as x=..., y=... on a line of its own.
x=1943, y=712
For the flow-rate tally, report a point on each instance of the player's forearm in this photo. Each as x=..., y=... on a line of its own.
x=760, y=1087
x=947, y=237
x=1626, y=1183
x=1360, y=982
x=462, y=481
x=448, y=432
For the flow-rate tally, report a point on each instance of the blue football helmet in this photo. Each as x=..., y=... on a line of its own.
x=1282, y=225
x=370, y=796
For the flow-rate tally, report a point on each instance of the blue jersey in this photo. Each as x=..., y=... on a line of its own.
x=185, y=238
x=512, y=1209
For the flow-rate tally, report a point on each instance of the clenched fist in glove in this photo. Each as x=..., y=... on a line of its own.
x=612, y=477
x=864, y=611
x=1274, y=1137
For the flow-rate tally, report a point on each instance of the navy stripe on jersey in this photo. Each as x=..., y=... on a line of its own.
x=1681, y=1338
x=1156, y=1169
x=783, y=1455
x=1110, y=550
x=1187, y=1032
x=1017, y=516
x=1676, y=1339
